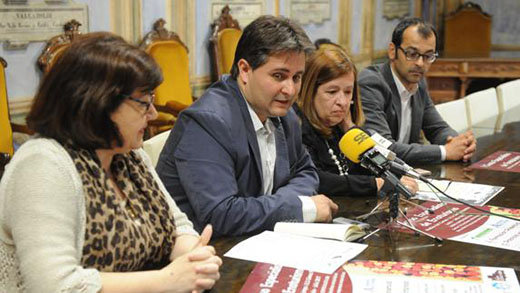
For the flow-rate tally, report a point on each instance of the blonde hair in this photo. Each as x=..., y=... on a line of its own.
x=328, y=62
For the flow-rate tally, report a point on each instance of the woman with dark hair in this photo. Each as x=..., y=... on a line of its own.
x=81, y=207
x=329, y=104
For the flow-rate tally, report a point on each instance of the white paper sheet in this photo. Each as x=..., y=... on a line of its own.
x=472, y=193
x=318, y=255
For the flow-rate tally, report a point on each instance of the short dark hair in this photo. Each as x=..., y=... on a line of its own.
x=268, y=35
x=86, y=85
x=425, y=29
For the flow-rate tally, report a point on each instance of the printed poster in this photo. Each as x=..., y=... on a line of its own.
x=367, y=276
x=500, y=161
x=462, y=223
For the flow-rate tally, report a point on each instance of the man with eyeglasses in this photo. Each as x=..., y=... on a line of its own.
x=397, y=105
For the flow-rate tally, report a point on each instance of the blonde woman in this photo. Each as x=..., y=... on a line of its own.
x=328, y=105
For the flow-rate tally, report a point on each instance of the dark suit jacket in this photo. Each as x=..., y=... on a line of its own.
x=382, y=107
x=358, y=182
x=211, y=165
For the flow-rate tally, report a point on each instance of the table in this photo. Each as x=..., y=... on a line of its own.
x=395, y=246
x=449, y=78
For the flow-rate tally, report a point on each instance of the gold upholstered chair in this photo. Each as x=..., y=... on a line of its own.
x=6, y=126
x=224, y=40
x=57, y=45
x=174, y=94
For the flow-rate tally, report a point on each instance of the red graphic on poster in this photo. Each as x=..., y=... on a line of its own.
x=275, y=278
x=500, y=161
x=448, y=220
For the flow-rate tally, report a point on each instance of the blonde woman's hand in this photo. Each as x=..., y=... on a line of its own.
x=410, y=183
x=379, y=183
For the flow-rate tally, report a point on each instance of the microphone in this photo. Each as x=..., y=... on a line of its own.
x=358, y=147
x=386, y=152
x=405, y=170
x=397, y=165
x=384, y=143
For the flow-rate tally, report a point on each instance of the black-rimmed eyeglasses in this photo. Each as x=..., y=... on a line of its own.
x=143, y=102
x=413, y=55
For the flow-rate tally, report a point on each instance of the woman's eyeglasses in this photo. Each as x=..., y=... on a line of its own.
x=413, y=55
x=146, y=103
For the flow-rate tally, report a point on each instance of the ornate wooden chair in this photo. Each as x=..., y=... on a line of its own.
x=467, y=32
x=223, y=43
x=57, y=44
x=6, y=127
x=174, y=94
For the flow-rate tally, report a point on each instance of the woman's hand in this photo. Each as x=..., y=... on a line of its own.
x=195, y=261
x=410, y=183
x=187, y=242
x=379, y=183
x=194, y=271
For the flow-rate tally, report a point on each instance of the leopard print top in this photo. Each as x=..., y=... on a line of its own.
x=121, y=235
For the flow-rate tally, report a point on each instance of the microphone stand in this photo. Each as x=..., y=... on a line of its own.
x=394, y=211
x=382, y=170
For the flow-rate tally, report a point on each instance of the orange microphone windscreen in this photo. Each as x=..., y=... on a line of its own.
x=354, y=143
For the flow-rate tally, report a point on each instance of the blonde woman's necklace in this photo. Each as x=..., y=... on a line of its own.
x=342, y=168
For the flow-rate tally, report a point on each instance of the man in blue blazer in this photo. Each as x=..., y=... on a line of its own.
x=235, y=159
x=397, y=104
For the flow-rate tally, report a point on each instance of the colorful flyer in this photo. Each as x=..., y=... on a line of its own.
x=388, y=276
x=366, y=276
x=462, y=223
x=500, y=161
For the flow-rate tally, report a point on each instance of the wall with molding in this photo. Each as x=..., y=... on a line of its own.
x=358, y=25
x=132, y=19
x=505, y=39
x=22, y=74
x=383, y=29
